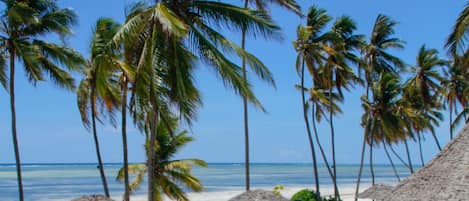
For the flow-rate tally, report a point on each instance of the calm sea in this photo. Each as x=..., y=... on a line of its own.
x=65, y=181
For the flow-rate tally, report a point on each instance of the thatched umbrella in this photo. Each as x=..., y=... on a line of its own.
x=258, y=195
x=446, y=177
x=93, y=198
x=377, y=192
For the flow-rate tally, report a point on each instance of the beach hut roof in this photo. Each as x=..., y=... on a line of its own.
x=446, y=177
x=93, y=198
x=377, y=192
x=258, y=195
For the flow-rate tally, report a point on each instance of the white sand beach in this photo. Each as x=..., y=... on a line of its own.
x=346, y=192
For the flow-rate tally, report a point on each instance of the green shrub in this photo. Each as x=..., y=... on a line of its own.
x=309, y=195
x=277, y=189
x=304, y=195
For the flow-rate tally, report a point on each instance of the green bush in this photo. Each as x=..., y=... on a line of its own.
x=304, y=195
x=278, y=188
x=309, y=195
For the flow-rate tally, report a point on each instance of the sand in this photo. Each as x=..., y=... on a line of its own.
x=347, y=194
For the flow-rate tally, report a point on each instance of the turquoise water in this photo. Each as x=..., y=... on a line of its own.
x=62, y=181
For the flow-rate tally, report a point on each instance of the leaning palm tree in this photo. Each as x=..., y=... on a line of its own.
x=24, y=23
x=457, y=50
x=305, y=48
x=263, y=6
x=169, y=173
x=376, y=58
x=455, y=88
x=382, y=117
x=174, y=36
x=337, y=70
x=423, y=92
x=98, y=87
x=456, y=42
x=310, y=48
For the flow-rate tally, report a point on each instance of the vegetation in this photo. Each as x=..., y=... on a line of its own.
x=145, y=68
x=23, y=24
x=308, y=195
x=98, y=88
x=262, y=6
x=277, y=189
x=169, y=173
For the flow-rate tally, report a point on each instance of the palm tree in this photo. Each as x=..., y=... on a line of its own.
x=309, y=46
x=308, y=129
x=23, y=25
x=377, y=60
x=261, y=5
x=169, y=173
x=382, y=117
x=98, y=88
x=426, y=84
x=173, y=37
x=456, y=42
x=337, y=72
x=456, y=45
x=422, y=92
x=304, y=47
x=455, y=88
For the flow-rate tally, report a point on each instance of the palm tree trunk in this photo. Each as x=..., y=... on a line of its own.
x=13, y=125
x=372, y=171
x=308, y=130
x=245, y=109
x=436, y=140
x=408, y=157
x=357, y=188
x=96, y=143
x=124, y=140
x=450, y=123
x=152, y=144
x=321, y=149
x=331, y=123
x=392, y=163
x=398, y=157
x=420, y=148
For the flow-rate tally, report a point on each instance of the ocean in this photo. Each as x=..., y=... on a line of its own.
x=67, y=181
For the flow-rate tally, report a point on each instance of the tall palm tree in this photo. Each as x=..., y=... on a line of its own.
x=422, y=90
x=457, y=50
x=456, y=42
x=170, y=173
x=304, y=47
x=455, y=88
x=23, y=25
x=424, y=85
x=382, y=117
x=338, y=74
x=98, y=87
x=377, y=60
x=310, y=48
x=177, y=34
x=263, y=6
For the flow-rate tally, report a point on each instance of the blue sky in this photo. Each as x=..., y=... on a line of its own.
x=50, y=129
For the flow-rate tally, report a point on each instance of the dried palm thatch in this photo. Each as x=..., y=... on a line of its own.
x=377, y=192
x=93, y=198
x=446, y=177
x=258, y=195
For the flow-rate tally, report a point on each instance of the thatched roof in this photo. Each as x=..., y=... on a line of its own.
x=446, y=177
x=258, y=195
x=93, y=198
x=377, y=192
